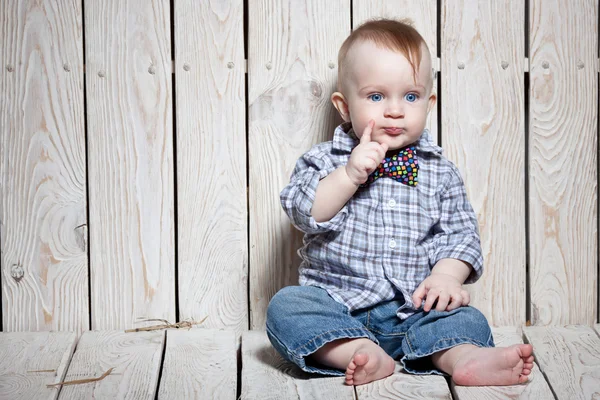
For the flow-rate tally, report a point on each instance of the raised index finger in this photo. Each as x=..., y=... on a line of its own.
x=366, y=136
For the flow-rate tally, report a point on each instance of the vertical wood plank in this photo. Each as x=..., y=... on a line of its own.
x=483, y=134
x=562, y=167
x=423, y=13
x=211, y=162
x=31, y=360
x=135, y=358
x=292, y=71
x=569, y=357
x=43, y=221
x=130, y=144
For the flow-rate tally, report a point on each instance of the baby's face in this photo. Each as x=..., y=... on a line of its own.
x=379, y=85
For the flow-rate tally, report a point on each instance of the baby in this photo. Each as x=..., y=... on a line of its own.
x=390, y=236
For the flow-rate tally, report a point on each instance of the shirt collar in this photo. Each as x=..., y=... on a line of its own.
x=344, y=140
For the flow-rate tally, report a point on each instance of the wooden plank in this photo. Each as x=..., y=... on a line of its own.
x=43, y=221
x=266, y=375
x=199, y=364
x=135, y=357
x=130, y=157
x=423, y=13
x=403, y=386
x=292, y=60
x=536, y=387
x=562, y=163
x=483, y=134
x=31, y=360
x=597, y=328
x=211, y=162
x=569, y=357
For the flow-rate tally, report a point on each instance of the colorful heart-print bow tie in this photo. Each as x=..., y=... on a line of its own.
x=403, y=167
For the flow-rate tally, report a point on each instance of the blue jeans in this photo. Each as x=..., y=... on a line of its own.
x=301, y=319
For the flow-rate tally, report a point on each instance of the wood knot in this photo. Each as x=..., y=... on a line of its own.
x=315, y=89
x=17, y=272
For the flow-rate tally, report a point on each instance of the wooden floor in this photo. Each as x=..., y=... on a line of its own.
x=203, y=364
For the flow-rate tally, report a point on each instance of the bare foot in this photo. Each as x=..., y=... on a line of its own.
x=369, y=363
x=497, y=366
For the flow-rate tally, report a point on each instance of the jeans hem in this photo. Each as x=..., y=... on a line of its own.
x=299, y=354
x=448, y=344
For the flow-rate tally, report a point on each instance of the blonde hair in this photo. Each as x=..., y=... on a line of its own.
x=394, y=35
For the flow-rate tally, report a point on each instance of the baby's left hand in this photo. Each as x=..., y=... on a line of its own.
x=446, y=289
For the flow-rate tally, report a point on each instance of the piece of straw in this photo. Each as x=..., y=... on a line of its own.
x=42, y=370
x=80, y=381
x=183, y=324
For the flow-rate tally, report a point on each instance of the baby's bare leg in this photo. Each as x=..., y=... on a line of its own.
x=363, y=360
x=470, y=365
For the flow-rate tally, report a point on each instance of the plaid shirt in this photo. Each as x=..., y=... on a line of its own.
x=383, y=243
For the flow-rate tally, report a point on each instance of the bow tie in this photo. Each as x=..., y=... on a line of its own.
x=402, y=167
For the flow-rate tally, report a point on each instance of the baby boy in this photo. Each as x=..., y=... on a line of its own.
x=390, y=236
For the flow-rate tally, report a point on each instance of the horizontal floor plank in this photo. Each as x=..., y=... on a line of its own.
x=569, y=357
x=266, y=375
x=31, y=360
x=199, y=364
x=404, y=386
x=135, y=358
x=536, y=388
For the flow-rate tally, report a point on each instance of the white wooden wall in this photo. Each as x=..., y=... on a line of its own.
x=143, y=146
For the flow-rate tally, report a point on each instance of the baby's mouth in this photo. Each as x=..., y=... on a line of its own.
x=393, y=130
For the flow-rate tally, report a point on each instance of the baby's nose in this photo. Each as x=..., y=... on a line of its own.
x=395, y=111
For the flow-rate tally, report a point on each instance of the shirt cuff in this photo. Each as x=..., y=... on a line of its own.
x=301, y=205
x=465, y=252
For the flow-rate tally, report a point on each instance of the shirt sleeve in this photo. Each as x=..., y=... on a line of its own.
x=298, y=196
x=456, y=235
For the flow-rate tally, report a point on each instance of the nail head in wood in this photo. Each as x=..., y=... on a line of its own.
x=186, y=67
x=580, y=64
x=545, y=65
x=66, y=67
x=504, y=64
x=230, y=65
x=10, y=68
x=101, y=74
x=461, y=65
x=152, y=70
x=331, y=65
x=269, y=65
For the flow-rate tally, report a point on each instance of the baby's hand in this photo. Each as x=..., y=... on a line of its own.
x=446, y=289
x=365, y=157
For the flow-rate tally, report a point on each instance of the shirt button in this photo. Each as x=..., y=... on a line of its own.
x=392, y=203
x=392, y=243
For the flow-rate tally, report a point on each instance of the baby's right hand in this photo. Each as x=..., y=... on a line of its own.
x=365, y=157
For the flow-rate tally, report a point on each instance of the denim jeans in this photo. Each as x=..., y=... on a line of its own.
x=301, y=319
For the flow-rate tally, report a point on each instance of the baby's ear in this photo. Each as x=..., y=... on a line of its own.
x=339, y=102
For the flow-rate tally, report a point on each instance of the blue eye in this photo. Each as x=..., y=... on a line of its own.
x=376, y=97
x=411, y=97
